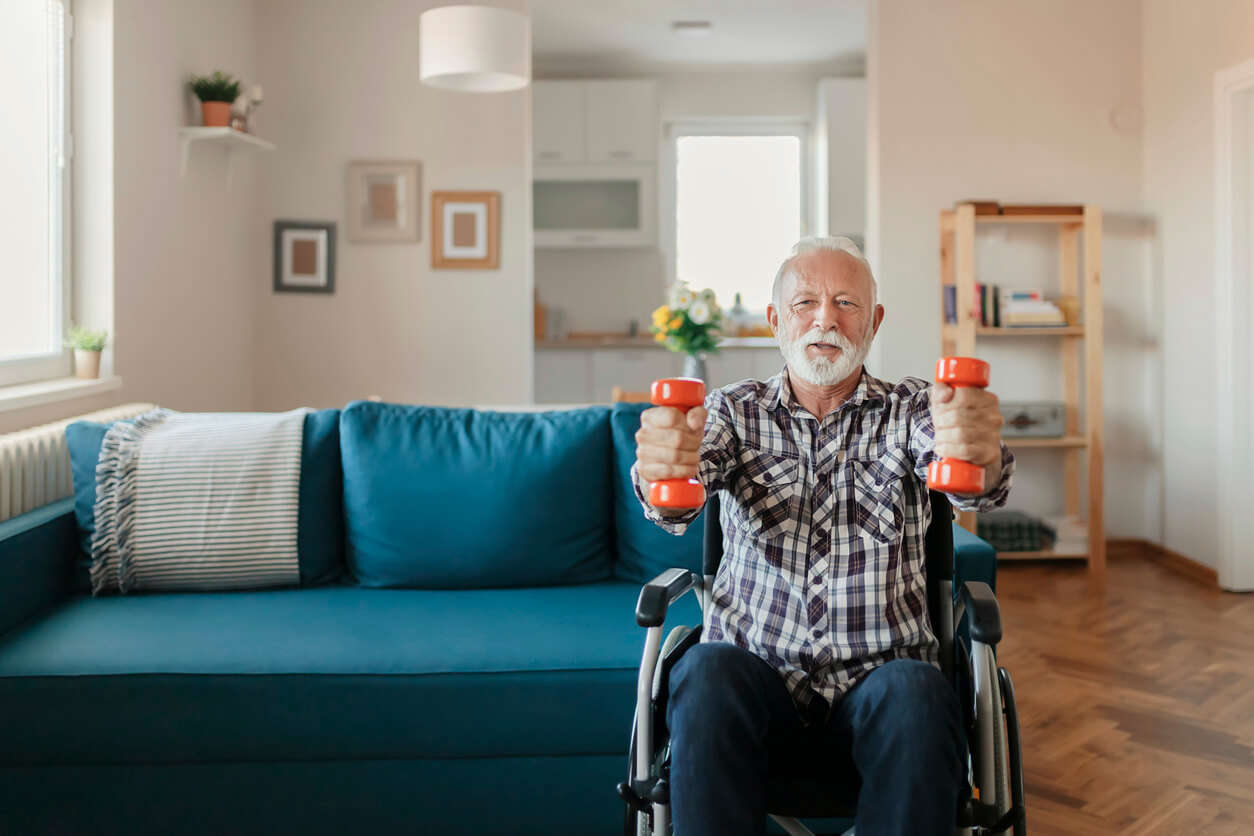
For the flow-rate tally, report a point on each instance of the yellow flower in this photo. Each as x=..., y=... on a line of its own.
x=661, y=315
x=660, y=337
x=675, y=323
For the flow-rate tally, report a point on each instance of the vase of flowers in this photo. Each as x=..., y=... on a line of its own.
x=87, y=346
x=216, y=93
x=689, y=324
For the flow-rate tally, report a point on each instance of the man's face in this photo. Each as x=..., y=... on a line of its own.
x=825, y=321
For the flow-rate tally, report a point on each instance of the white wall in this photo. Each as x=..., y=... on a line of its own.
x=1018, y=102
x=602, y=290
x=341, y=83
x=1185, y=45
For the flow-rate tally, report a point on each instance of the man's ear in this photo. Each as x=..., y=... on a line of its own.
x=772, y=319
x=879, y=318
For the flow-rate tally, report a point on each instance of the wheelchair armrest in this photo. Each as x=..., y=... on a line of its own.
x=983, y=614
x=660, y=593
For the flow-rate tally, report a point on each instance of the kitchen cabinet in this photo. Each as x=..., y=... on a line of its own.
x=622, y=121
x=602, y=121
x=594, y=206
x=589, y=375
x=558, y=132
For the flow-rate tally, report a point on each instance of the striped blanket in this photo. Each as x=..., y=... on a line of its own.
x=198, y=501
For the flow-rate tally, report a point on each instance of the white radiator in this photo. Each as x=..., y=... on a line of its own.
x=35, y=463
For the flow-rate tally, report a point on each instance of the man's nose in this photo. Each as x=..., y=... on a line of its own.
x=825, y=317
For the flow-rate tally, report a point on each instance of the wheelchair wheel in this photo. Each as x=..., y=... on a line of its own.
x=1016, y=753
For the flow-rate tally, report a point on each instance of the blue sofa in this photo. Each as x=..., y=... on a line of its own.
x=492, y=695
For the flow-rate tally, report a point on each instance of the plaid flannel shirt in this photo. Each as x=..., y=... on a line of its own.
x=824, y=522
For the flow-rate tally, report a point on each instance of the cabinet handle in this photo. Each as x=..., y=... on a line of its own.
x=621, y=155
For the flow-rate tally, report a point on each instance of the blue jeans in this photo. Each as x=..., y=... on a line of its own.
x=732, y=723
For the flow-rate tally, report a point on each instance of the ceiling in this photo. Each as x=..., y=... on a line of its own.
x=610, y=35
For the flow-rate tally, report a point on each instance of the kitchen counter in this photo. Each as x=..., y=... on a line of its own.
x=647, y=341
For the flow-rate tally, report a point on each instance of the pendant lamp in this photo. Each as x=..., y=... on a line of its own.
x=477, y=49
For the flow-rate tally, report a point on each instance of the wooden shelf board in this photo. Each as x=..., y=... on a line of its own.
x=1029, y=219
x=1048, y=331
x=1046, y=554
x=227, y=136
x=1065, y=441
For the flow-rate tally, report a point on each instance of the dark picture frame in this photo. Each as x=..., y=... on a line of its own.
x=304, y=257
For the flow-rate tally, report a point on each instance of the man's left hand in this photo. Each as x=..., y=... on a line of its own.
x=967, y=424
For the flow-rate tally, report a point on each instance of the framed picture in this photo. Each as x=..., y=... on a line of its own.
x=304, y=257
x=383, y=202
x=466, y=230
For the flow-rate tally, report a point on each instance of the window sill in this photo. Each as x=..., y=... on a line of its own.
x=51, y=391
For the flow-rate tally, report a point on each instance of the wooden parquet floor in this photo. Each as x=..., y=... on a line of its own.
x=1136, y=705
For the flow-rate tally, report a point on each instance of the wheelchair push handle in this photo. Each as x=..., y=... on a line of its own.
x=955, y=475
x=682, y=393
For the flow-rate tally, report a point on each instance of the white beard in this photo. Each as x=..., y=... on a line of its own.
x=821, y=371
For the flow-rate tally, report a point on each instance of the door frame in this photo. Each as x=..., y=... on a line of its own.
x=1234, y=301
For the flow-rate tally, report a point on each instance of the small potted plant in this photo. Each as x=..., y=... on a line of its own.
x=689, y=324
x=216, y=93
x=87, y=345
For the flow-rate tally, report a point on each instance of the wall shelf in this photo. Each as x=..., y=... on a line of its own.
x=1079, y=356
x=1065, y=441
x=228, y=138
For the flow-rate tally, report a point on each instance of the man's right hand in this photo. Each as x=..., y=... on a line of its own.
x=668, y=443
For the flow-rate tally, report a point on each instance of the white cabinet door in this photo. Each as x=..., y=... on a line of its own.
x=622, y=121
x=563, y=376
x=634, y=369
x=558, y=122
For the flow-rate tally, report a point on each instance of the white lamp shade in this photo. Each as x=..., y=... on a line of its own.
x=480, y=49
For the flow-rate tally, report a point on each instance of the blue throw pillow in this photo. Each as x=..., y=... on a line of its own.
x=439, y=498
x=320, y=518
x=644, y=549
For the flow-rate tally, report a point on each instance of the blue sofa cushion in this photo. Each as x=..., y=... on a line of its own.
x=643, y=549
x=320, y=519
x=439, y=498
x=328, y=673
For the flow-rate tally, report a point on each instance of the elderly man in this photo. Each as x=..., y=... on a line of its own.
x=817, y=651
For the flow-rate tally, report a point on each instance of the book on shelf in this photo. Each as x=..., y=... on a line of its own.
x=993, y=307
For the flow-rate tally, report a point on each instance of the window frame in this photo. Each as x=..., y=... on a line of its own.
x=56, y=363
x=724, y=126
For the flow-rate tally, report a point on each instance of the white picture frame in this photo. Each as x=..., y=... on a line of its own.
x=384, y=201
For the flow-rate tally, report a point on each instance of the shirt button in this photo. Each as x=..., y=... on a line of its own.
x=821, y=534
x=818, y=634
x=818, y=579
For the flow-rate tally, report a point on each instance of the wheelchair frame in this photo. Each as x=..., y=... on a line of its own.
x=994, y=757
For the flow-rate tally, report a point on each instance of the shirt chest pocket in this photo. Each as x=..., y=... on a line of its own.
x=875, y=488
x=769, y=493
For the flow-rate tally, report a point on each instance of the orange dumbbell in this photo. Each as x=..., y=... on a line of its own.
x=683, y=393
x=955, y=475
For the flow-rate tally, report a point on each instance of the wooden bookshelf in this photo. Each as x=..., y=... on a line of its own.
x=1078, y=348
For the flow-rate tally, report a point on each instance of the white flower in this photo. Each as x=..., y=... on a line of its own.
x=708, y=296
x=681, y=296
x=699, y=313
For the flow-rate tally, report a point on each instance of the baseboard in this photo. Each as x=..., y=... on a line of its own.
x=1165, y=557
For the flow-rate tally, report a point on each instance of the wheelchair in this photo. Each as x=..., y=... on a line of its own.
x=968, y=628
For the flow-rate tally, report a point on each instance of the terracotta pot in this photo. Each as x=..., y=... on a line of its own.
x=86, y=364
x=216, y=114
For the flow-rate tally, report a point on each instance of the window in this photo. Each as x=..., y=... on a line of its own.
x=34, y=202
x=738, y=206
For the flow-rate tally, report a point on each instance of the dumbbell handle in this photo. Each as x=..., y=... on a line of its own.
x=956, y=475
x=682, y=393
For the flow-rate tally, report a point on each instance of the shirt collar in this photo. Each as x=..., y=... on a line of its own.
x=779, y=391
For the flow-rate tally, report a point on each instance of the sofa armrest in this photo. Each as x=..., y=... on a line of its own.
x=659, y=593
x=36, y=551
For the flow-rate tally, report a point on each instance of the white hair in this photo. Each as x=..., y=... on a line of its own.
x=816, y=243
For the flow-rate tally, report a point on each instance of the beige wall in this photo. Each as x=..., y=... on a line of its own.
x=341, y=83
x=1185, y=45
x=1014, y=102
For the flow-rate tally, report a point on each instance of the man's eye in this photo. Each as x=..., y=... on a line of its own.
x=803, y=303
x=846, y=303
